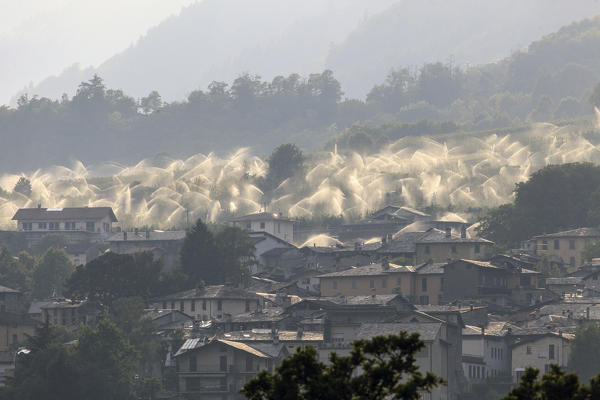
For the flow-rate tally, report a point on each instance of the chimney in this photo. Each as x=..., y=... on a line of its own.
x=39, y=205
x=125, y=235
x=448, y=232
x=356, y=246
x=384, y=240
x=274, y=335
x=300, y=332
x=385, y=264
x=482, y=330
x=147, y=234
x=463, y=232
x=136, y=231
x=587, y=313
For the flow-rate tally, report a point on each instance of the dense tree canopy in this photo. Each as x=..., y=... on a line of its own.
x=585, y=351
x=52, y=271
x=377, y=369
x=112, y=276
x=557, y=197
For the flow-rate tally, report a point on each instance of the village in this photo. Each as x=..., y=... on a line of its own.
x=485, y=315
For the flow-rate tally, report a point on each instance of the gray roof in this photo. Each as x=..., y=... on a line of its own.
x=434, y=235
x=430, y=268
x=257, y=335
x=428, y=331
x=149, y=236
x=382, y=299
x=369, y=270
x=579, y=232
x=4, y=289
x=67, y=213
x=215, y=291
x=401, y=243
x=564, y=281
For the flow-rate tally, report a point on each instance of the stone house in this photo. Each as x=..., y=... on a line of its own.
x=15, y=329
x=218, y=369
x=212, y=302
x=538, y=349
x=566, y=245
x=274, y=223
x=440, y=246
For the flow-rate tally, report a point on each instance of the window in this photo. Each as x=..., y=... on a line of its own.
x=398, y=281
x=477, y=249
x=470, y=371
x=53, y=226
x=90, y=226
x=427, y=249
x=424, y=300
x=384, y=283
x=164, y=305
x=193, y=365
x=262, y=225
x=172, y=305
x=547, y=368
x=279, y=227
x=219, y=305
x=181, y=306
x=556, y=244
x=528, y=350
x=248, y=226
x=372, y=283
x=424, y=284
x=572, y=261
x=353, y=283
x=249, y=363
x=454, y=249
x=493, y=353
x=550, y=352
x=544, y=245
x=571, y=244
x=69, y=226
x=334, y=284
x=247, y=305
x=27, y=226
x=106, y=227
x=193, y=384
x=193, y=305
x=223, y=363
x=42, y=225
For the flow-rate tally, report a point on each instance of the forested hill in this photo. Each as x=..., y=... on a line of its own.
x=358, y=40
x=555, y=79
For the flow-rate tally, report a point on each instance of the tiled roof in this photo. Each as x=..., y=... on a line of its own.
x=427, y=331
x=401, y=243
x=54, y=214
x=579, y=232
x=434, y=235
x=244, y=347
x=215, y=291
x=430, y=268
x=370, y=270
x=266, y=335
x=382, y=299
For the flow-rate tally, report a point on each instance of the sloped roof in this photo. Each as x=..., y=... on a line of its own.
x=430, y=268
x=214, y=291
x=67, y=213
x=579, y=232
x=379, y=299
x=427, y=331
x=369, y=270
x=564, y=281
x=434, y=235
x=401, y=243
x=4, y=289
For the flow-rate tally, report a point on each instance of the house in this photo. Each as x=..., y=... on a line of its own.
x=566, y=245
x=440, y=246
x=11, y=300
x=274, y=223
x=566, y=287
x=538, y=348
x=66, y=313
x=212, y=302
x=169, y=320
x=268, y=250
x=290, y=339
x=420, y=285
x=164, y=245
x=219, y=368
x=76, y=223
x=15, y=329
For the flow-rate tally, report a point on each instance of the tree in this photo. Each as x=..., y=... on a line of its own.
x=51, y=240
x=23, y=186
x=51, y=273
x=585, y=351
x=556, y=384
x=16, y=272
x=285, y=161
x=113, y=276
x=151, y=103
x=236, y=251
x=199, y=259
x=381, y=368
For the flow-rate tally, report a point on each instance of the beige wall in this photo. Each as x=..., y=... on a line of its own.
x=198, y=311
x=546, y=246
x=539, y=354
x=13, y=336
x=80, y=225
x=410, y=286
x=441, y=252
x=281, y=229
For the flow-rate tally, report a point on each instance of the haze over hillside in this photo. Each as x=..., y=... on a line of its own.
x=360, y=41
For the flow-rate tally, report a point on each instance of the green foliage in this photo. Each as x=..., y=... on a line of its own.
x=381, y=368
x=99, y=366
x=113, y=276
x=23, y=186
x=51, y=272
x=50, y=240
x=286, y=161
x=556, y=384
x=570, y=193
x=216, y=258
x=16, y=272
x=585, y=351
